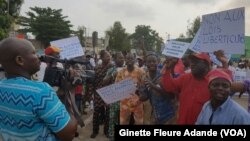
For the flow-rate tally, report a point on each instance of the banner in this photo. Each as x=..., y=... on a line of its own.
x=224, y=31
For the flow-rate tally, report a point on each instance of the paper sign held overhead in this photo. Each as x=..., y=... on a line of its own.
x=175, y=48
x=224, y=31
x=195, y=45
x=70, y=47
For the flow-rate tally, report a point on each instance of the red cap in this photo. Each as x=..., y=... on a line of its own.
x=202, y=56
x=52, y=49
x=219, y=73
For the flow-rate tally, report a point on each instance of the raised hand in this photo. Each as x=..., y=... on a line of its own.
x=222, y=58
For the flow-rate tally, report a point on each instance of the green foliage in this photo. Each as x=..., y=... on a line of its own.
x=8, y=13
x=15, y=7
x=118, y=38
x=152, y=40
x=46, y=24
x=194, y=27
x=81, y=30
x=191, y=31
x=5, y=24
x=11, y=7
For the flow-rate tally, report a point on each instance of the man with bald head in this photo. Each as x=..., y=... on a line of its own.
x=29, y=110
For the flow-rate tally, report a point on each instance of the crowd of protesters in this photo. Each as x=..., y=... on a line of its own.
x=174, y=91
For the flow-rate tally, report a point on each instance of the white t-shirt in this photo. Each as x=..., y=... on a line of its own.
x=92, y=62
x=41, y=72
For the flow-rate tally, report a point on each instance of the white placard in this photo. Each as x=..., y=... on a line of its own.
x=239, y=76
x=195, y=45
x=41, y=72
x=117, y=91
x=224, y=31
x=175, y=48
x=70, y=47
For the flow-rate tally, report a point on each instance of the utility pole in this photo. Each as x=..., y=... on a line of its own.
x=168, y=37
x=8, y=1
x=94, y=40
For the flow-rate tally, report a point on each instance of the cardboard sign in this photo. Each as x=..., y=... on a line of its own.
x=70, y=47
x=117, y=91
x=224, y=31
x=175, y=48
x=195, y=45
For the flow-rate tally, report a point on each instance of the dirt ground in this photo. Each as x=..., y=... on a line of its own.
x=85, y=132
x=242, y=101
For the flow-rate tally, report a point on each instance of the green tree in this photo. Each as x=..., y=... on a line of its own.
x=9, y=11
x=118, y=38
x=14, y=7
x=46, y=24
x=194, y=27
x=191, y=30
x=80, y=33
x=150, y=38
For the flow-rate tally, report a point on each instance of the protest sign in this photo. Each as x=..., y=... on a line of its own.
x=195, y=45
x=175, y=48
x=117, y=91
x=70, y=47
x=239, y=76
x=224, y=31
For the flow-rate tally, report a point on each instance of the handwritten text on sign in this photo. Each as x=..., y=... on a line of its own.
x=117, y=91
x=224, y=30
x=70, y=47
x=175, y=48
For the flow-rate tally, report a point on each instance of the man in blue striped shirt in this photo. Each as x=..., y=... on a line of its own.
x=29, y=110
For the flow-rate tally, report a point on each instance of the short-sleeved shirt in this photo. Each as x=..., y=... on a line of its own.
x=229, y=113
x=30, y=110
x=138, y=76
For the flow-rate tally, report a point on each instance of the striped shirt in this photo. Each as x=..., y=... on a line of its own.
x=30, y=110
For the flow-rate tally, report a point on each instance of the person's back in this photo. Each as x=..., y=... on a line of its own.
x=22, y=101
x=29, y=110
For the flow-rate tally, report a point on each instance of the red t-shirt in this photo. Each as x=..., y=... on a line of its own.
x=193, y=94
x=79, y=90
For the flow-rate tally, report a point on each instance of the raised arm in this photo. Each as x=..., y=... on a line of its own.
x=222, y=58
x=168, y=83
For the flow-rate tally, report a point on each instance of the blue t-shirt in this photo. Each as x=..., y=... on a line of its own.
x=229, y=113
x=30, y=110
